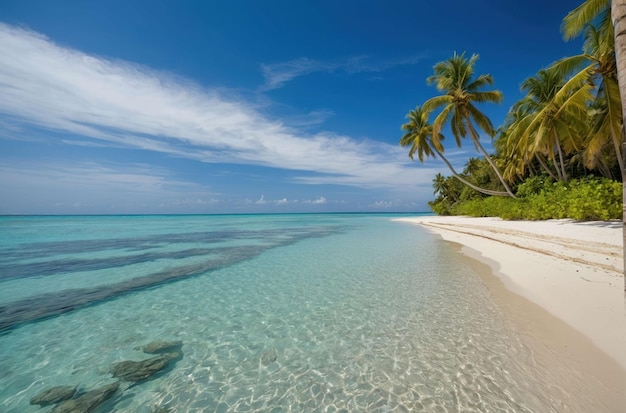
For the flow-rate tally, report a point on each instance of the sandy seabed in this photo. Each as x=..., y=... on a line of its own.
x=561, y=282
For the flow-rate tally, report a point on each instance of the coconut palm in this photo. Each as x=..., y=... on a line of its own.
x=461, y=91
x=573, y=24
x=420, y=137
x=440, y=185
x=555, y=120
x=598, y=61
x=519, y=155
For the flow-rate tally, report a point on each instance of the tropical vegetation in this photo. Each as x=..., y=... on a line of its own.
x=559, y=152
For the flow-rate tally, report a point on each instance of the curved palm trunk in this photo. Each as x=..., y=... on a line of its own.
x=545, y=166
x=618, y=16
x=604, y=169
x=466, y=182
x=482, y=150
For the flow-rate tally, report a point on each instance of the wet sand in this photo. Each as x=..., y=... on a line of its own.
x=560, y=283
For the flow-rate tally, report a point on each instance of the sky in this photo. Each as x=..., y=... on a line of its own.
x=242, y=106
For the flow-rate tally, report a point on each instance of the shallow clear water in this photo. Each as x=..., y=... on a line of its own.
x=275, y=312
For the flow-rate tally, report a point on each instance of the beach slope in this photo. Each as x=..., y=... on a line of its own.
x=574, y=270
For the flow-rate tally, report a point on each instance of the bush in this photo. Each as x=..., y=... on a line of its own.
x=539, y=198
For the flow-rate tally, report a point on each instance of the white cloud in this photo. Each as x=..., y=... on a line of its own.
x=282, y=201
x=318, y=200
x=381, y=204
x=126, y=105
x=277, y=74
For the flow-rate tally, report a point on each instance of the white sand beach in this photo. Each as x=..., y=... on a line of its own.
x=573, y=270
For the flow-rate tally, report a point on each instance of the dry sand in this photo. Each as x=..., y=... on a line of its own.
x=572, y=270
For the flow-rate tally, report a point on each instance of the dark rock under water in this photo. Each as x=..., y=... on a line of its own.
x=87, y=402
x=53, y=395
x=136, y=371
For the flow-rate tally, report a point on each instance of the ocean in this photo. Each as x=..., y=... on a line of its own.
x=270, y=313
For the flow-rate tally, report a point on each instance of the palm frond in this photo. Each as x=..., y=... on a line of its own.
x=491, y=96
x=480, y=82
x=575, y=21
x=436, y=102
x=441, y=119
x=481, y=120
x=564, y=68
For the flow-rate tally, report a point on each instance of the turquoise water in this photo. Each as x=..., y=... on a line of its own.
x=283, y=313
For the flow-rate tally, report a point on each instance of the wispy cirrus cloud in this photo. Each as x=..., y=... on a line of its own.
x=277, y=74
x=114, y=103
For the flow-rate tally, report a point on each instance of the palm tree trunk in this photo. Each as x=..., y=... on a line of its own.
x=545, y=166
x=604, y=169
x=466, y=182
x=476, y=140
x=618, y=16
x=559, y=150
x=618, y=154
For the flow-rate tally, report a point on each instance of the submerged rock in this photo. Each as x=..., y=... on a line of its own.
x=135, y=371
x=87, y=402
x=160, y=347
x=54, y=395
x=269, y=357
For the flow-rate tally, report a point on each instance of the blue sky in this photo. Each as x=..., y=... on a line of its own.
x=241, y=106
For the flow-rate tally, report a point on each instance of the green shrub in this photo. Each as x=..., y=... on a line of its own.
x=533, y=186
x=539, y=198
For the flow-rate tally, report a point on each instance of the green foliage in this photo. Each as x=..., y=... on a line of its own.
x=440, y=206
x=589, y=198
x=533, y=185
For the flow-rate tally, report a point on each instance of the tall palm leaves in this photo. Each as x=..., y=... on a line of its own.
x=576, y=20
x=461, y=91
x=422, y=139
x=554, y=120
x=573, y=24
x=419, y=135
x=599, y=65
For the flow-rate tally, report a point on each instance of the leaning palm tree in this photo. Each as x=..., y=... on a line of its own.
x=420, y=137
x=461, y=91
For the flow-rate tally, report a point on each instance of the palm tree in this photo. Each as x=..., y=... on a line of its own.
x=440, y=186
x=420, y=137
x=555, y=119
x=598, y=62
x=618, y=16
x=573, y=24
x=519, y=155
x=455, y=78
x=472, y=166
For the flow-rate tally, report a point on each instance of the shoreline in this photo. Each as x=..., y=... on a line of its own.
x=560, y=282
